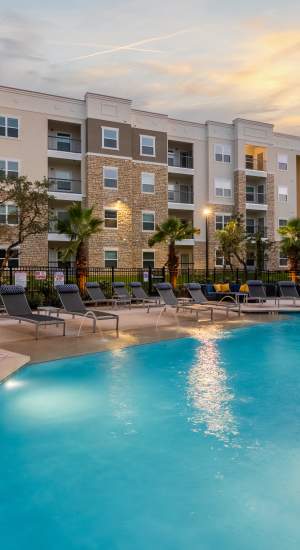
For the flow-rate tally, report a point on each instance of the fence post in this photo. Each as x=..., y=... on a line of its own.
x=188, y=273
x=214, y=275
x=67, y=275
x=112, y=274
x=10, y=275
x=163, y=273
x=237, y=275
x=268, y=276
x=150, y=280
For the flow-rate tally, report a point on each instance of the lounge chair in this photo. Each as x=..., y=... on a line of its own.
x=120, y=291
x=195, y=291
x=165, y=291
x=73, y=304
x=288, y=291
x=97, y=295
x=257, y=292
x=17, y=307
x=138, y=293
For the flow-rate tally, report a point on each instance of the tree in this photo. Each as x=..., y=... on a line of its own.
x=79, y=226
x=30, y=199
x=290, y=244
x=233, y=242
x=171, y=230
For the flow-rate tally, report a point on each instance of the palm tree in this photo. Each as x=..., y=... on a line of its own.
x=79, y=226
x=171, y=230
x=290, y=243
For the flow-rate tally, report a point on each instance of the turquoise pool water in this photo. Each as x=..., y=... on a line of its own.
x=180, y=445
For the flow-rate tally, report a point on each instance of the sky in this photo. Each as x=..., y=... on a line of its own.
x=196, y=60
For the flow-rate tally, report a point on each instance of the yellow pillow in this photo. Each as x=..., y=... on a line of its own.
x=218, y=287
x=244, y=288
x=225, y=287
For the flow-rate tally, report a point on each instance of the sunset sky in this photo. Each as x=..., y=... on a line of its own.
x=195, y=60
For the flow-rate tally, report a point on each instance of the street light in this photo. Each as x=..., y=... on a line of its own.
x=206, y=213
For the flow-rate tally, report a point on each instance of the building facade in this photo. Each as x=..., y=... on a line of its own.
x=135, y=168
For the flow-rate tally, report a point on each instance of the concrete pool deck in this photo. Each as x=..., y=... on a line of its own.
x=18, y=346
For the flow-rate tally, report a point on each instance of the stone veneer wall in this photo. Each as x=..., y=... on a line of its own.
x=128, y=199
x=273, y=253
x=240, y=192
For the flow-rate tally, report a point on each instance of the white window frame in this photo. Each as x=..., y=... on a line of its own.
x=148, y=212
x=103, y=128
x=219, y=255
x=17, y=248
x=281, y=258
x=226, y=152
x=104, y=218
x=281, y=163
x=281, y=194
x=6, y=165
x=111, y=250
x=282, y=220
x=6, y=205
x=223, y=215
x=141, y=145
x=219, y=185
x=103, y=177
x=147, y=250
x=152, y=174
x=6, y=117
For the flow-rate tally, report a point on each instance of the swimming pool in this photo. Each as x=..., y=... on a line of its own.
x=178, y=445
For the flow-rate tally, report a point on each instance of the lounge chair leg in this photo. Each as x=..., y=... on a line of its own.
x=64, y=329
x=211, y=314
x=94, y=326
x=117, y=326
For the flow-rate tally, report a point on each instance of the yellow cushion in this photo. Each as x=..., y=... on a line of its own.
x=244, y=288
x=225, y=287
x=218, y=287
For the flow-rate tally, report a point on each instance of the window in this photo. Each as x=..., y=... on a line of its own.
x=9, y=168
x=219, y=259
x=222, y=220
x=222, y=153
x=110, y=177
x=147, y=146
x=111, y=258
x=223, y=187
x=148, y=221
x=9, y=127
x=282, y=222
x=171, y=157
x=282, y=194
x=283, y=259
x=282, y=162
x=14, y=259
x=250, y=259
x=8, y=214
x=250, y=226
x=110, y=138
x=63, y=141
x=111, y=218
x=63, y=180
x=148, y=258
x=148, y=182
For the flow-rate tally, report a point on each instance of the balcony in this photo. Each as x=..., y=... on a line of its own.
x=65, y=189
x=183, y=160
x=181, y=195
x=64, y=146
x=53, y=233
x=254, y=229
x=255, y=200
x=258, y=164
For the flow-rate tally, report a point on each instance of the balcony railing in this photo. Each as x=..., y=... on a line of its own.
x=58, y=185
x=254, y=229
x=255, y=163
x=64, y=144
x=256, y=198
x=184, y=161
x=184, y=196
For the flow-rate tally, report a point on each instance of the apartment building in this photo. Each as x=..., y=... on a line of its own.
x=136, y=168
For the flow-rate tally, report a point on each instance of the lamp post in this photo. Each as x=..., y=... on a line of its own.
x=206, y=213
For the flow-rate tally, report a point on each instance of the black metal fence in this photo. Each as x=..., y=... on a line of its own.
x=41, y=281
